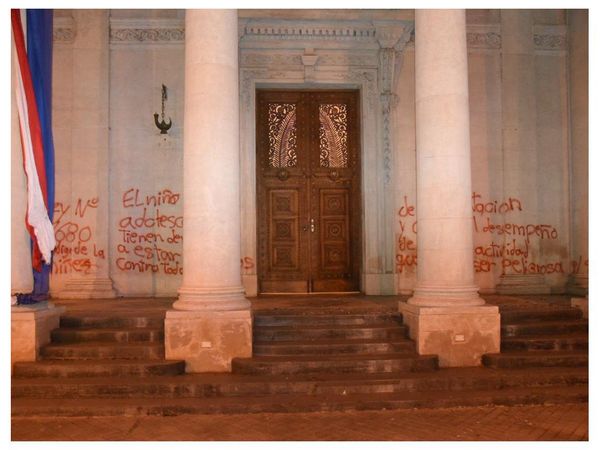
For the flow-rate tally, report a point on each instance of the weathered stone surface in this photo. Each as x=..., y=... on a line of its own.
x=208, y=340
x=459, y=336
x=581, y=303
x=30, y=329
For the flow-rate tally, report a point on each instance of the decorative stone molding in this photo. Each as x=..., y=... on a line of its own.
x=309, y=59
x=344, y=77
x=392, y=37
x=63, y=31
x=307, y=30
x=553, y=38
x=147, y=31
x=485, y=37
x=346, y=59
x=490, y=40
x=387, y=60
x=268, y=59
x=387, y=100
x=393, y=34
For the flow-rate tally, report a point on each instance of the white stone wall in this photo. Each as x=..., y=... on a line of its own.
x=146, y=202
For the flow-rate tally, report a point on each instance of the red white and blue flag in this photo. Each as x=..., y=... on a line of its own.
x=33, y=95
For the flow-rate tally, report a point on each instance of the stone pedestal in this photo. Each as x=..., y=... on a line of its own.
x=458, y=335
x=30, y=329
x=87, y=288
x=379, y=283
x=582, y=304
x=446, y=316
x=207, y=341
x=211, y=321
x=522, y=285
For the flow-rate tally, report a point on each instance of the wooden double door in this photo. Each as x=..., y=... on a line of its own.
x=308, y=197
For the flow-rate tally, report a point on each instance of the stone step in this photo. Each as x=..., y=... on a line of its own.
x=103, y=321
x=220, y=385
x=333, y=347
x=296, y=403
x=553, y=342
x=537, y=315
x=91, y=351
x=325, y=319
x=281, y=365
x=317, y=332
x=70, y=335
x=519, y=360
x=97, y=368
x=544, y=328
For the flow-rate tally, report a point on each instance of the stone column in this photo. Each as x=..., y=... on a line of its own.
x=446, y=316
x=578, y=103
x=88, y=207
x=519, y=146
x=211, y=321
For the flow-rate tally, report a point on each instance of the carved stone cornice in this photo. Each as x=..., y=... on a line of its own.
x=63, y=30
x=550, y=37
x=268, y=29
x=151, y=31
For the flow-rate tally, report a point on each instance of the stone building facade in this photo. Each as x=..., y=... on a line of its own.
x=473, y=122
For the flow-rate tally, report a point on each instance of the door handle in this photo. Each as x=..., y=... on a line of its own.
x=312, y=225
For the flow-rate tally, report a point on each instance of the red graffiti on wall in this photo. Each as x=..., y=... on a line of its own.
x=76, y=249
x=150, y=234
x=579, y=266
x=247, y=263
x=512, y=255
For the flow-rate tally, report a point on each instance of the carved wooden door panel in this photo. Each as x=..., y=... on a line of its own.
x=308, y=191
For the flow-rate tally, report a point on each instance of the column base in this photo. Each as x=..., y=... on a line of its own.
x=379, y=283
x=250, y=283
x=522, y=284
x=446, y=296
x=87, y=288
x=211, y=299
x=30, y=329
x=458, y=335
x=578, y=285
x=582, y=304
x=208, y=340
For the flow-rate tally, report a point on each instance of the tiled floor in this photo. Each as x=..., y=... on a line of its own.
x=516, y=423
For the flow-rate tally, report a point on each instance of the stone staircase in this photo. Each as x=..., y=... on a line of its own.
x=103, y=365
x=556, y=337
x=332, y=344
x=102, y=346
